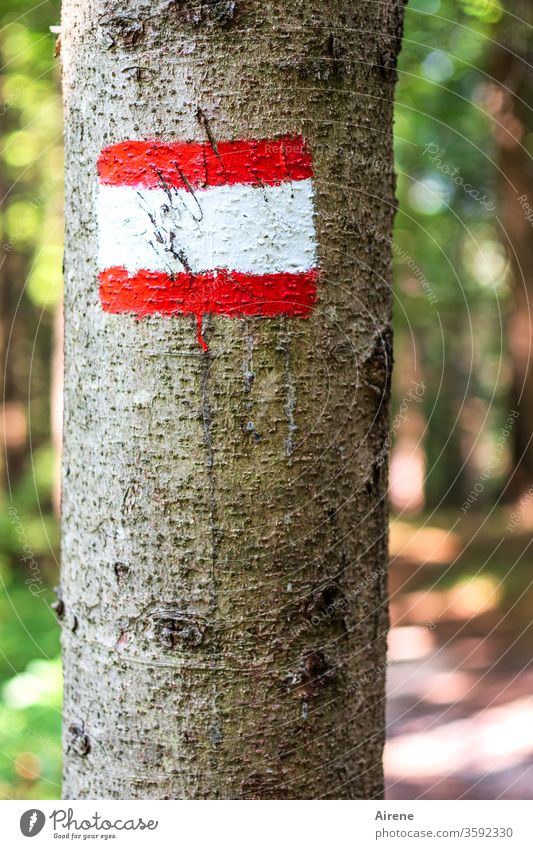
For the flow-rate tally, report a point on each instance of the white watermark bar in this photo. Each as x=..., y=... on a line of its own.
x=267, y=824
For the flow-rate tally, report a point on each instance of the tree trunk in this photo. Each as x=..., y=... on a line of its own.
x=223, y=591
x=508, y=101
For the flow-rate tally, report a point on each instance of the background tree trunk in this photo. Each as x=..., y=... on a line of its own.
x=509, y=102
x=224, y=518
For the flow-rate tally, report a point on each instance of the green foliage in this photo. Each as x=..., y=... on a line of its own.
x=30, y=152
x=30, y=242
x=489, y=11
x=30, y=728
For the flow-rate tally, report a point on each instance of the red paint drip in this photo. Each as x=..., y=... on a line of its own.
x=221, y=292
x=199, y=336
x=196, y=165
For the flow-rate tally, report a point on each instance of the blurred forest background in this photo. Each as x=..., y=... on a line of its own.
x=460, y=720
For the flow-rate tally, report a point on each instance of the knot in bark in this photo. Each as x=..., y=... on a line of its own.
x=78, y=740
x=314, y=672
x=174, y=628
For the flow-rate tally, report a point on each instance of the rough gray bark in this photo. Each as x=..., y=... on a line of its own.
x=224, y=521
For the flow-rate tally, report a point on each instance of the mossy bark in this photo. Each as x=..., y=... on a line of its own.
x=224, y=518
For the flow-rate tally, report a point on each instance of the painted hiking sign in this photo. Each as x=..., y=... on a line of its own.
x=192, y=228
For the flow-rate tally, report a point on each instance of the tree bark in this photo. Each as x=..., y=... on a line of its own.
x=224, y=609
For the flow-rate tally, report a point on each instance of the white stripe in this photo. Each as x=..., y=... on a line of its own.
x=256, y=230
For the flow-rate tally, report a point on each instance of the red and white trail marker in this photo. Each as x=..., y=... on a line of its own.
x=187, y=228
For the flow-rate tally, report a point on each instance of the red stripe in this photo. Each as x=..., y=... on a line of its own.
x=186, y=165
x=224, y=292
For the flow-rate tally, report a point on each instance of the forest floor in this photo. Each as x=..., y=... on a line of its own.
x=460, y=679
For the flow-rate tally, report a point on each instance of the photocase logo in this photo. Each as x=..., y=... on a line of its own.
x=32, y=822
